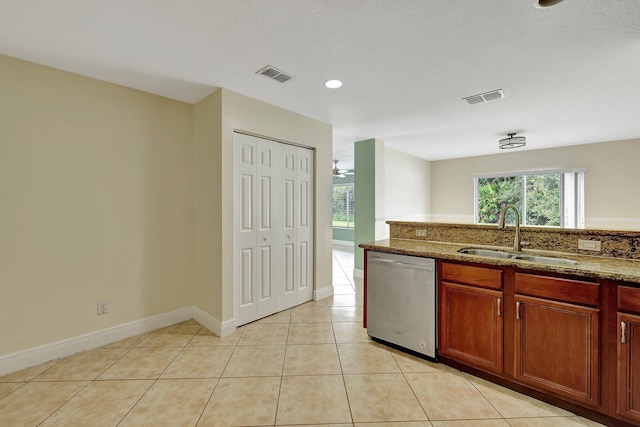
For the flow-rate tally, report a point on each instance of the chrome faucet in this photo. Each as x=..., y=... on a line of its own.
x=516, y=241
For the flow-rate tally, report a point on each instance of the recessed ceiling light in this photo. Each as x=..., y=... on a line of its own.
x=333, y=84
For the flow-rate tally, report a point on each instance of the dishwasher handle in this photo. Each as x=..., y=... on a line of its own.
x=398, y=264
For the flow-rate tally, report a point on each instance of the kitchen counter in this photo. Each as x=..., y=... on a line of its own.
x=620, y=269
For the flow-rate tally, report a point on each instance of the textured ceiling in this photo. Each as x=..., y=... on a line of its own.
x=570, y=73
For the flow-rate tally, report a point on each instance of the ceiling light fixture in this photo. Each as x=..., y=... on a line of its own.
x=543, y=4
x=333, y=84
x=512, y=141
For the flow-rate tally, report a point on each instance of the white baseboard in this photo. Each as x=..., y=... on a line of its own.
x=214, y=325
x=321, y=293
x=24, y=359
x=358, y=272
x=343, y=243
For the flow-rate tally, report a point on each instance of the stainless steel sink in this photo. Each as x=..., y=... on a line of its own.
x=490, y=253
x=486, y=253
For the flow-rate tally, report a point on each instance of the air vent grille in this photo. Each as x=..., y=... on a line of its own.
x=484, y=97
x=275, y=74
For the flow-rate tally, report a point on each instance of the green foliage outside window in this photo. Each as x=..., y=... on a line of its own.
x=537, y=197
x=496, y=193
x=543, y=200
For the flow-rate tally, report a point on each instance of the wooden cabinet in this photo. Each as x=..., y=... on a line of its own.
x=628, y=339
x=471, y=322
x=556, y=344
x=556, y=347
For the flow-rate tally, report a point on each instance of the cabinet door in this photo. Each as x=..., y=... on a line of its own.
x=629, y=366
x=471, y=326
x=556, y=348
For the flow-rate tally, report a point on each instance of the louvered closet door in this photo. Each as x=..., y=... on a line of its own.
x=273, y=236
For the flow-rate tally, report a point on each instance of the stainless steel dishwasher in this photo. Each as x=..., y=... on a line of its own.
x=401, y=301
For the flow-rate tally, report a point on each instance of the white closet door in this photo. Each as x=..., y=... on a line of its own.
x=268, y=275
x=289, y=213
x=256, y=272
x=273, y=236
x=245, y=233
x=304, y=227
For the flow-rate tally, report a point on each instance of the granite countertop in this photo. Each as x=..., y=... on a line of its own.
x=621, y=269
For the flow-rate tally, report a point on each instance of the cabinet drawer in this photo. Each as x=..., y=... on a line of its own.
x=490, y=278
x=629, y=299
x=569, y=290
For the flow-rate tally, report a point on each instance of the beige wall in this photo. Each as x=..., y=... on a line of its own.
x=611, y=179
x=108, y=193
x=207, y=184
x=96, y=202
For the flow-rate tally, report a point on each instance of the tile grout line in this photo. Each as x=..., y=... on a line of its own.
x=284, y=360
x=160, y=375
x=204, y=408
x=89, y=382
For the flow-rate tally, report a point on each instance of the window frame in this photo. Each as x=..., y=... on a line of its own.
x=571, y=214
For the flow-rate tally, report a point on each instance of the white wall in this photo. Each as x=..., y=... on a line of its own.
x=611, y=180
x=407, y=187
x=403, y=190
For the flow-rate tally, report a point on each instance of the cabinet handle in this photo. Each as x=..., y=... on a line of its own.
x=499, y=303
x=518, y=310
x=623, y=326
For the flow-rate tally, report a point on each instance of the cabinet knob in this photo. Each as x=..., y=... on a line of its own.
x=499, y=304
x=623, y=336
x=265, y=238
x=518, y=310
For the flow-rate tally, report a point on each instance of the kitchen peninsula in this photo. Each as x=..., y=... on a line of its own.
x=551, y=321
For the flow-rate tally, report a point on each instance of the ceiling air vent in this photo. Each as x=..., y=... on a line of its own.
x=484, y=97
x=275, y=74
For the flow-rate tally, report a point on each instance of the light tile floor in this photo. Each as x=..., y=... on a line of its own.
x=310, y=365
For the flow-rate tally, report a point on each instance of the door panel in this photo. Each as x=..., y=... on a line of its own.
x=287, y=297
x=304, y=228
x=247, y=276
x=556, y=347
x=265, y=203
x=265, y=273
x=267, y=173
x=288, y=269
x=245, y=261
x=289, y=215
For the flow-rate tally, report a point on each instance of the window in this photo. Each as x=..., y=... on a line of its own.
x=545, y=199
x=343, y=205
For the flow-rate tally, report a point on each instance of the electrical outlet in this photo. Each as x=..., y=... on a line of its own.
x=103, y=307
x=421, y=233
x=589, y=245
